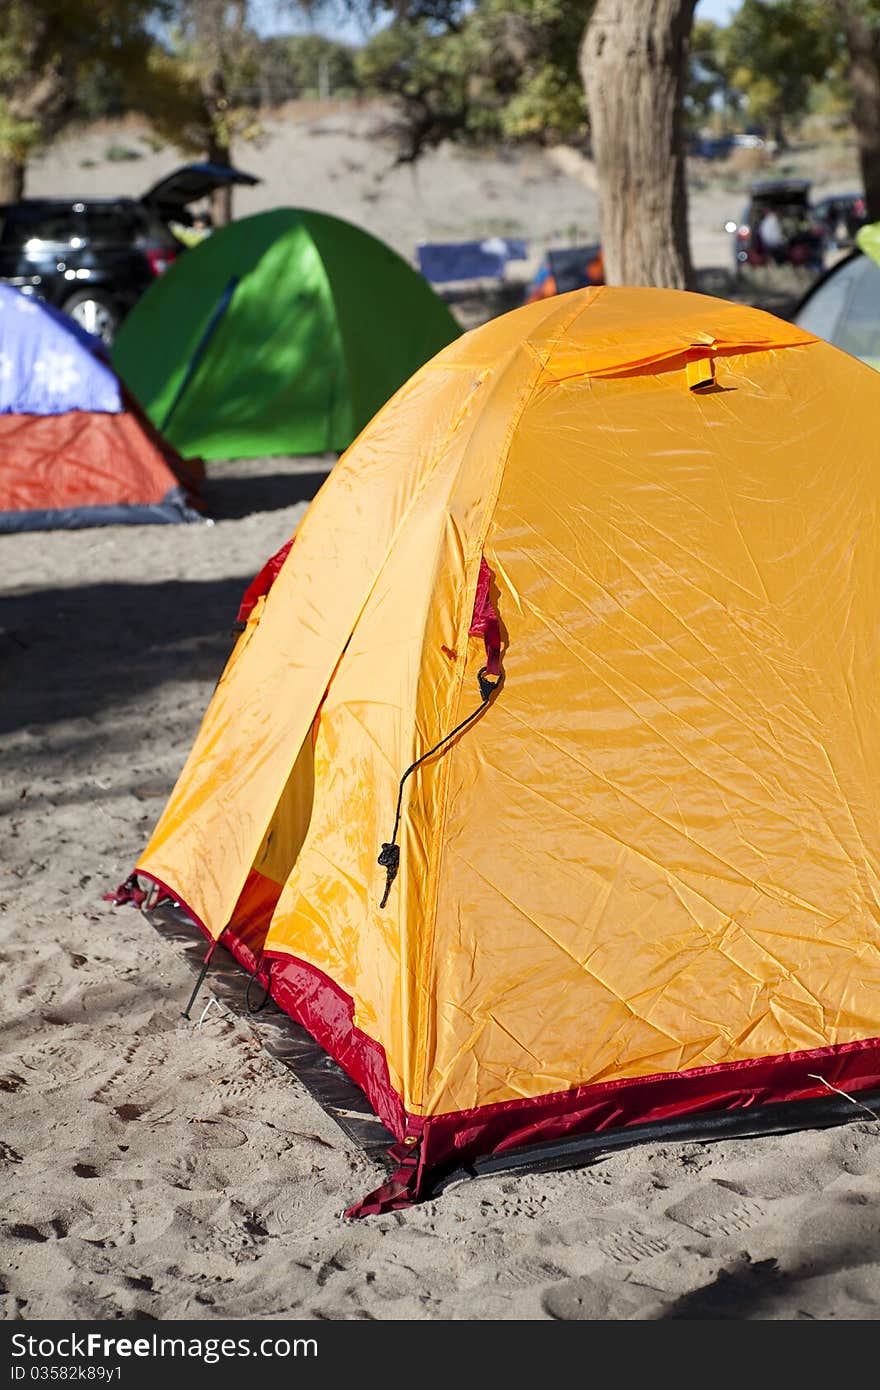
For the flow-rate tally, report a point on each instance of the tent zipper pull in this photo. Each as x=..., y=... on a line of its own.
x=389, y=855
x=389, y=858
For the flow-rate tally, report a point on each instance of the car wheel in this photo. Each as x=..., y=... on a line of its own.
x=94, y=311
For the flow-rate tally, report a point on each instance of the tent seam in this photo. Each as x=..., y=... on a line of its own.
x=475, y=551
x=429, y=473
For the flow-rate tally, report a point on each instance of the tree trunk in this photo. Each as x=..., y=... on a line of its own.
x=219, y=151
x=11, y=179
x=863, y=41
x=221, y=199
x=634, y=67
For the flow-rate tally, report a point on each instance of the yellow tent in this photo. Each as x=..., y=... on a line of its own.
x=643, y=880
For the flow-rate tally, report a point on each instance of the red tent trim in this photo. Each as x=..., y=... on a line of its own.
x=429, y=1146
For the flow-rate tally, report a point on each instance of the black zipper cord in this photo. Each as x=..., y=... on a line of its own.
x=389, y=856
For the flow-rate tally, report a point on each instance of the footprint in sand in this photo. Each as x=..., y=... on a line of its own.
x=854, y=1148
x=216, y=1134
x=292, y=1213
x=631, y=1246
x=717, y=1209
x=232, y=1240
x=38, y=983
x=22, y=1231
x=131, y=1054
x=527, y=1205
x=845, y=1233
x=59, y=1063
x=589, y=1300
x=528, y=1274
x=593, y=1177
x=110, y=1221
x=53, y=1229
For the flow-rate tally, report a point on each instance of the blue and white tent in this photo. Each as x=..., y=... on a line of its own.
x=75, y=448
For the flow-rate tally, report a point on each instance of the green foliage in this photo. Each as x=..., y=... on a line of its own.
x=528, y=51
x=121, y=154
x=471, y=70
x=17, y=137
x=305, y=65
x=506, y=68
x=427, y=76
x=711, y=97
x=868, y=239
x=166, y=90
x=774, y=52
x=52, y=52
x=212, y=54
x=547, y=105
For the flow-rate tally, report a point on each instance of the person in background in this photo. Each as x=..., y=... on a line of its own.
x=200, y=227
x=771, y=236
x=596, y=269
x=203, y=223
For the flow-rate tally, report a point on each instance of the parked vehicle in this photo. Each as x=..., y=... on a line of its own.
x=94, y=257
x=841, y=215
x=710, y=146
x=722, y=146
x=801, y=238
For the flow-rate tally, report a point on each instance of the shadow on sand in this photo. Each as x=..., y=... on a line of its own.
x=230, y=496
x=69, y=653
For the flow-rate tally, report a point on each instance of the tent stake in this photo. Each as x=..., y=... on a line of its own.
x=201, y=980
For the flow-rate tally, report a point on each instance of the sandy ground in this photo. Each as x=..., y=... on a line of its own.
x=151, y=1168
x=340, y=159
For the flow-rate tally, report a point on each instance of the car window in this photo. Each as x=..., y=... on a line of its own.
x=786, y=207
x=125, y=224
x=116, y=224
x=156, y=231
x=54, y=226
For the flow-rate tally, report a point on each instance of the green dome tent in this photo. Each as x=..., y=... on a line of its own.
x=280, y=334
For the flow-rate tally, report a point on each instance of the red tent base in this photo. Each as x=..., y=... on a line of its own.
x=737, y=1097
x=86, y=468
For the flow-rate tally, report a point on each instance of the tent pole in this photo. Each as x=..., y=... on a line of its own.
x=199, y=353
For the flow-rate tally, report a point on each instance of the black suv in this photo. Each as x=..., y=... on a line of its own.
x=94, y=257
